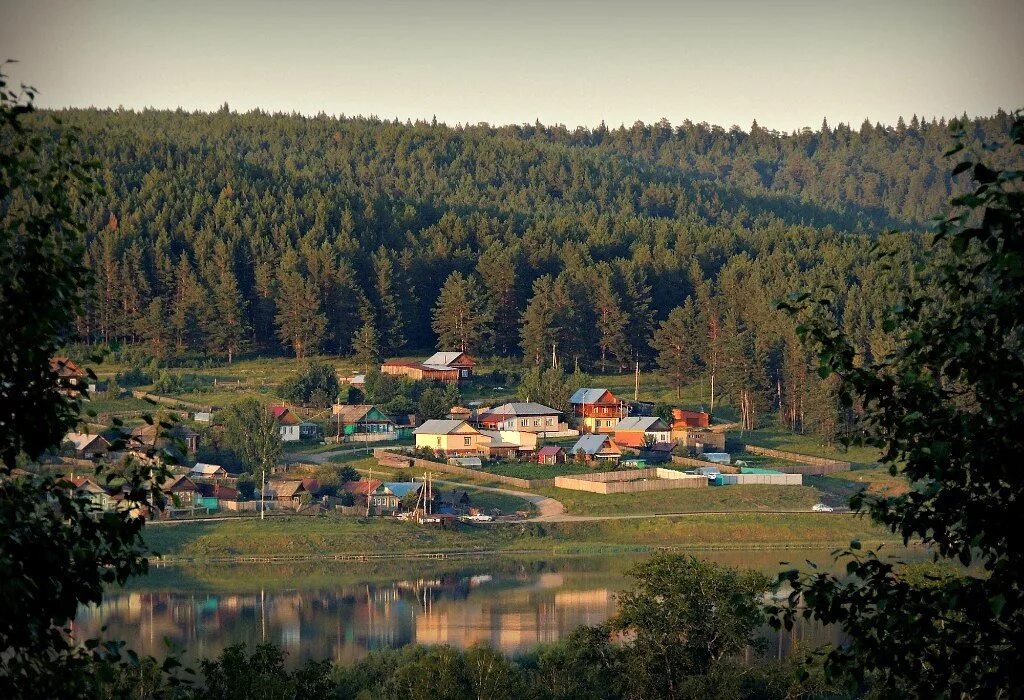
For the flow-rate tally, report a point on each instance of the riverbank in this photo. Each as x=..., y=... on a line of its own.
x=305, y=538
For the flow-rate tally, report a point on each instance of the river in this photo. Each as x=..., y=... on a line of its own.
x=342, y=610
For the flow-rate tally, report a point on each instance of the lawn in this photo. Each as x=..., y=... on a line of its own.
x=777, y=438
x=532, y=470
x=304, y=536
x=743, y=497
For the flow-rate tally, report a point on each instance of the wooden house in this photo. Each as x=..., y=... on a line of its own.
x=288, y=423
x=208, y=471
x=682, y=418
x=635, y=431
x=597, y=410
x=88, y=446
x=211, y=495
x=590, y=448
x=551, y=454
x=350, y=419
x=71, y=379
x=97, y=495
x=441, y=366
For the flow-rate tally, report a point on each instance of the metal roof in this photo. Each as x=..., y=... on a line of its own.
x=525, y=408
x=401, y=488
x=436, y=426
x=644, y=423
x=587, y=395
x=443, y=358
x=590, y=444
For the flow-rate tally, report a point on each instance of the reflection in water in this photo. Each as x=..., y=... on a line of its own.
x=510, y=606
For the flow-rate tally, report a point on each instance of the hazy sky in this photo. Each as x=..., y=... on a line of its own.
x=787, y=64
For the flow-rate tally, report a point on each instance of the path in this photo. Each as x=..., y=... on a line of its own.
x=548, y=509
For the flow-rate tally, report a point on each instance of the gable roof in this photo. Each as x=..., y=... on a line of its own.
x=283, y=415
x=207, y=469
x=550, y=451
x=85, y=483
x=642, y=423
x=361, y=487
x=593, y=444
x=353, y=413
x=524, y=408
x=66, y=367
x=285, y=489
x=180, y=485
x=585, y=395
x=441, y=427
x=83, y=440
x=401, y=488
x=219, y=491
x=445, y=359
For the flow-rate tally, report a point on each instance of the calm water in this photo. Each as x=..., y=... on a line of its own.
x=342, y=610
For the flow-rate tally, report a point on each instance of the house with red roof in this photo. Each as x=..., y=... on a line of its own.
x=288, y=423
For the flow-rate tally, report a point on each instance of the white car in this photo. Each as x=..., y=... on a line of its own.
x=479, y=518
x=822, y=508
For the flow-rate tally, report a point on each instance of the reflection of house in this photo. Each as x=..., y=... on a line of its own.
x=87, y=446
x=551, y=454
x=359, y=418
x=441, y=366
x=635, y=431
x=597, y=410
x=596, y=447
x=288, y=423
x=452, y=437
x=527, y=417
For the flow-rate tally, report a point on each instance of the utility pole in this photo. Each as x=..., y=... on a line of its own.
x=263, y=493
x=368, y=485
x=636, y=386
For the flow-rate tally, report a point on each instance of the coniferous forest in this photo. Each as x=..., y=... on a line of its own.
x=225, y=233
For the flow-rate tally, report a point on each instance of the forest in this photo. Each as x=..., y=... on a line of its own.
x=221, y=234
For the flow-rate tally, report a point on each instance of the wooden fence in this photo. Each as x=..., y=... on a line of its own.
x=390, y=458
x=631, y=481
x=168, y=401
x=808, y=464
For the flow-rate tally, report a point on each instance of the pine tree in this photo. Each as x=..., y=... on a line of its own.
x=675, y=342
x=458, y=321
x=611, y=322
x=190, y=304
x=366, y=345
x=497, y=270
x=153, y=328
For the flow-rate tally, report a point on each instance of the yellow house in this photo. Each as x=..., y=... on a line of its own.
x=452, y=437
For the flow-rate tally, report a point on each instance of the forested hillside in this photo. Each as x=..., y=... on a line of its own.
x=224, y=233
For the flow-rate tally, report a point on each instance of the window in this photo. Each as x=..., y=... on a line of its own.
x=524, y=422
x=467, y=441
x=547, y=421
x=536, y=422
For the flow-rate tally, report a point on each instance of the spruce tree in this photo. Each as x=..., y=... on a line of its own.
x=675, y=342
x=366, y=345
x=458, y=322
x=390, y=322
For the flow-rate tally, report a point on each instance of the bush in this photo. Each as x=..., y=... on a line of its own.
x=316, y=385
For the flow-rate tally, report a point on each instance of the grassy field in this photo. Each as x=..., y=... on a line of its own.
x=720, y=498
x=303, y=536
x=777, y=438
x=532, y=470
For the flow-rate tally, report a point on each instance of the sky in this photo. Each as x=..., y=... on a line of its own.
x=573, y=62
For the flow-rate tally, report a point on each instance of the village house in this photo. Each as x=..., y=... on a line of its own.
x=70, y=377
x=597, y=410
x=361, y=419
x=590, y=448
x=527, y=417
x=510, y=443
x=441, y=366
x=181, y=493
x=287, y=422
x=211, y=496
x=658, y=453
x=286, y=493
x=376, y=496
x=208, y=471
x=87, y=486
x=683, y=418
x=551, y=454
x=699, y=440
x=88, y=446
x=636, y=431
x=148, y=437
x=452, y=437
